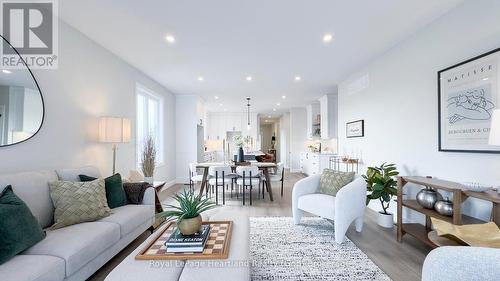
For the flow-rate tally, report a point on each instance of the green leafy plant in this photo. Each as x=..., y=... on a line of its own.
x=190, y=206
x=381, y=184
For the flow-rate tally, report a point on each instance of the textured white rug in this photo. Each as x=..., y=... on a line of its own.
x=281, y=250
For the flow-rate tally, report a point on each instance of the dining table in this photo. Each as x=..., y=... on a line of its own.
x=263, y=166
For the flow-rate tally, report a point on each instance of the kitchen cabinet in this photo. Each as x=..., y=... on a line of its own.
x=329, y=116
x=314, y=163
x=219, y=123
x=313, y=120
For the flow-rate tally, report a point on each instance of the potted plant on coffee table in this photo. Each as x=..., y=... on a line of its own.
x=381, y=183
x=188, y=213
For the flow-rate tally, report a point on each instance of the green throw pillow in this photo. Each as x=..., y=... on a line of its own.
x=332, y=181
x=115, y=194
x=19, y=229
x=77, y=202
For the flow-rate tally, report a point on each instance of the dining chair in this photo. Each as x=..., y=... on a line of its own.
x=248, y=176
x=194, y=178
x=220, y=176
x=279, y=176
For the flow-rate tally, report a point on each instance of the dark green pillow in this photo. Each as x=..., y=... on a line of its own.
x=19, y=229
x=115, y=194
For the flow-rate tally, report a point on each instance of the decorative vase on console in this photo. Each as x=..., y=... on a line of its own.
x=148, y=160
x=428, y=197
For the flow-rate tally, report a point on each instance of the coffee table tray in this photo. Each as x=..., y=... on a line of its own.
x=216, y=247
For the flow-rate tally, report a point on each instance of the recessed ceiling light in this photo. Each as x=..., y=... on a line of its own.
x=6, y=71
x=201, y=79
x=216, y=97
x=249, y=78
x=283, y=97
x=274, y=109
x=170, y=38
x=278, y=104
x=220, y=104
x=327, y=38
x=298, y=78
x=485, y=79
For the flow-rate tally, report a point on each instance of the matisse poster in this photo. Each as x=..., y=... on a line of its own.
x=468, y=94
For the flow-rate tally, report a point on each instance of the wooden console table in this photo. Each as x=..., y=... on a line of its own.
x=420, y=231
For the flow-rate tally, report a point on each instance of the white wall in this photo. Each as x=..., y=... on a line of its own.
x=186, y=120
x=90, y=82
x=399, y=105
x=298, y=136
x=285, y=139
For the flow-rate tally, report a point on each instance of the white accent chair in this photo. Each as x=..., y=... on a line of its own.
x=347, y=207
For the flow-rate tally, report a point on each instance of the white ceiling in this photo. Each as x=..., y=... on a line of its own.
x=273, y=41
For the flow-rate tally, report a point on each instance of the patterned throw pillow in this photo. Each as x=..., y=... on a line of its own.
x=332, y=181
x=77, y=202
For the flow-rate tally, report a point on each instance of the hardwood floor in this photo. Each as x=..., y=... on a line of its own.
x=401, y=261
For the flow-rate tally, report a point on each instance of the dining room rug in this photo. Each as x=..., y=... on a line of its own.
x=281, y=250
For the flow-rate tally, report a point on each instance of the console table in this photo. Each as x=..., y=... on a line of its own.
x=458, y=196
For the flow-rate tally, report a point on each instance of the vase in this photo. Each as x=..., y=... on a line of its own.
x=241, y=155
x=444, y=207
x=385, y=220
x=428, y=197
x=190, y=226
x=149, y=180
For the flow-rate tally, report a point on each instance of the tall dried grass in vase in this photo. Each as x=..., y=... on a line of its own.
x=149, y=158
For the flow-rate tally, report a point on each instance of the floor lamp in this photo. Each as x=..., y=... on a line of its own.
x=114, y=130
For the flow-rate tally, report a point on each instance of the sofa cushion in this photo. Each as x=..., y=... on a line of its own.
x=322, y=205
x=129, y=217
x=332, y=181
x=77, y=244
x=115, y=194
x=72, y=174
x=78, y=202
x=19, y=229
x=33, y=189
x=33, y=268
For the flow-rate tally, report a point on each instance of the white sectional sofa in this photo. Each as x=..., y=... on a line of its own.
x=77, y=251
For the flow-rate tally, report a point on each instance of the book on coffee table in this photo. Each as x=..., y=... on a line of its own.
x=178, y=243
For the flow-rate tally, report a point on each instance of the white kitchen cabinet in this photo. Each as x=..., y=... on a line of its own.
x=219, y=123
x=329, y=116
x=313, y=123
x=314, y=163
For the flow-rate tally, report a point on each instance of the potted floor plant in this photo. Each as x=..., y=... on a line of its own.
x=188, y=213
x=148, y=159
x=381, y=184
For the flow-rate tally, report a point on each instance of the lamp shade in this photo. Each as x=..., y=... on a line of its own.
x=114, y=129
x=494, y=138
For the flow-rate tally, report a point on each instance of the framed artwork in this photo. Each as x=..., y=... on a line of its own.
x=467, y=95
x=355, y=129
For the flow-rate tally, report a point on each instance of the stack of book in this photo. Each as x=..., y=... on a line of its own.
x=178, y=243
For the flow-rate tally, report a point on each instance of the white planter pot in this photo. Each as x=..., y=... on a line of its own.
x=149, y=180
x=386, y=221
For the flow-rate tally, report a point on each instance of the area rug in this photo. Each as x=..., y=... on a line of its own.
x=281, y=250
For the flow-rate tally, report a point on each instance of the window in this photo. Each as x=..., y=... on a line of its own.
x=149, y=121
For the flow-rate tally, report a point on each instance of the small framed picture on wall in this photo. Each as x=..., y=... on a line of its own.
x=355, y=129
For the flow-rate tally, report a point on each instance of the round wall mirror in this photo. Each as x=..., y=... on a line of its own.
x=21, y=104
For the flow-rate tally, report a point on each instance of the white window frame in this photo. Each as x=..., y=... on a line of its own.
x=141, y=90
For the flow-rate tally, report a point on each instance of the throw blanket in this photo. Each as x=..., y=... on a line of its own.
x=135, y=191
